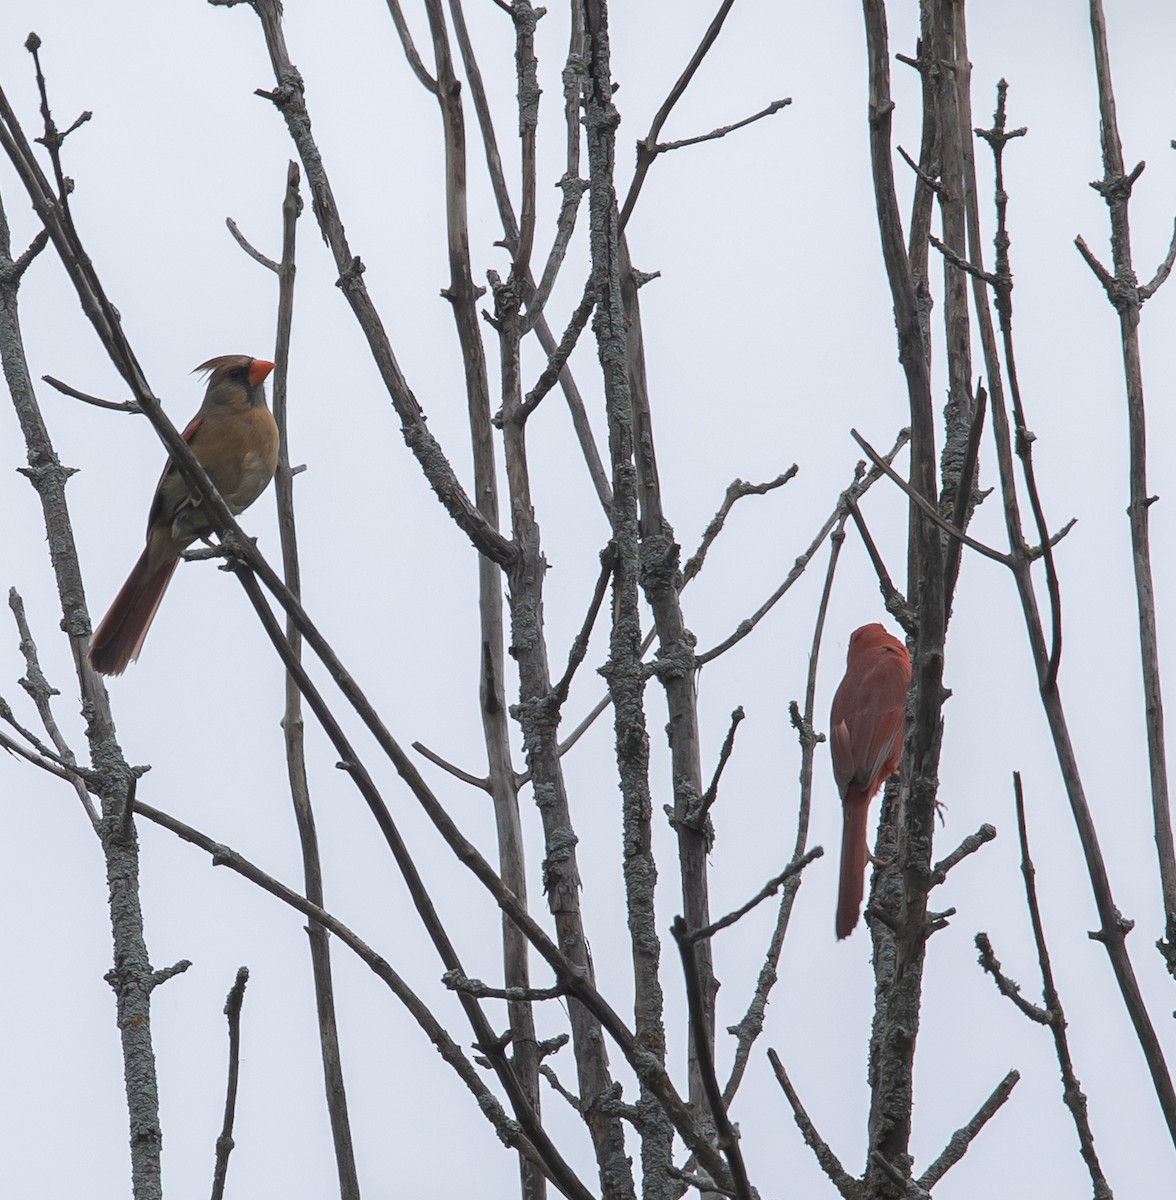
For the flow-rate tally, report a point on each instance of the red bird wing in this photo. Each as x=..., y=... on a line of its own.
x=865, y=740
x=158, y=499
x=867, y=720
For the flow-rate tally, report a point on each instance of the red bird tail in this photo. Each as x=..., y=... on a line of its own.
x=119, y=638
x=856, y=810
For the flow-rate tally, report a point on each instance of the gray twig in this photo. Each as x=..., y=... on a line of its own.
x=477, y=781
x=127, y=406
x=702, y=1037
x=722, y=131
x=969, y=845
x=925, y=506
x=1007, y=987
x=862, y=483
x=712, y=792
x=250, y=249
x=1072, y=1094
x=846, y=1185
x=225, y=1143
x=455, y=981
x=769, y=889
x=958, y=1143
x=736, y=490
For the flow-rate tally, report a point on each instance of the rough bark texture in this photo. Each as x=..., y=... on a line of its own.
x=905, y=841
x=131, y=977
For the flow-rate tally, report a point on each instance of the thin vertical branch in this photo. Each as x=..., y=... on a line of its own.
x=751, y=1025
x=225, y=1144
x=525, y=18
x=573, y=72
x=674, y=662
x=1115, y=188
x=926, y=172
x=951, y=74
x=703, y=1038
x=1113, y=930
x=462, y=294
x=292, y=723
x=1072, y=1093
x=998, y=137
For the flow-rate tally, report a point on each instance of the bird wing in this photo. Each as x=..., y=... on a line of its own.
x=867, y=723
x=168, y=495
x=841, y=750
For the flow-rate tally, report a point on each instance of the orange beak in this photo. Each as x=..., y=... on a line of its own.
x=258, y=370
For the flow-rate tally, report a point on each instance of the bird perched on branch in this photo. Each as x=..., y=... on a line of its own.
x=865, y=739
x=234, y=438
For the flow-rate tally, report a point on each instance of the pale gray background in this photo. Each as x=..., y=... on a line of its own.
x=769, y=335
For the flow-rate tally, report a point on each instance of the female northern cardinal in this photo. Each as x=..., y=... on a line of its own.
x=865, y=737
x=235, y=440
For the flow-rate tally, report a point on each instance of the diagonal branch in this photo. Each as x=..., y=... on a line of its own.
x=289, y=99
x=646, y=147
x=128, y=406
x=863, y=481
x=703, y=1039
x=508, y=1131
x=769, y=889
x=1072, y=1094
x=846, y=1185
x=962, y=1139
x=723, y=130
x=925, y=506
x=736, y=490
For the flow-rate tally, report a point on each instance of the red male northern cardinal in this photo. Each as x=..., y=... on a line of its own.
x=235, y=440
x=865, y=738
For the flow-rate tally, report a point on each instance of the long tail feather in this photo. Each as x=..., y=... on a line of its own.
x=856, y=809
x=119, y=638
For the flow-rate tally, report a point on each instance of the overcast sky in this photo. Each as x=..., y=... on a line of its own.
x=769, y=336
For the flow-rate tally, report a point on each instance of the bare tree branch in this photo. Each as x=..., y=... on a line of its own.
x=722, y=131
x=646, y=152
x=482, y=782
x=846, y=1185
x=769, y=889
x=969, y=845
x=1072, y=1094
x=703, y=1037
x=962, y=1139
x=925, y=506
x=736, y=490
x=1127, y=298
x=131, y=978
x=128, y=406
x=862, y=483
x=508, y=1131
x=1113, y=928
x=225, y=1143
